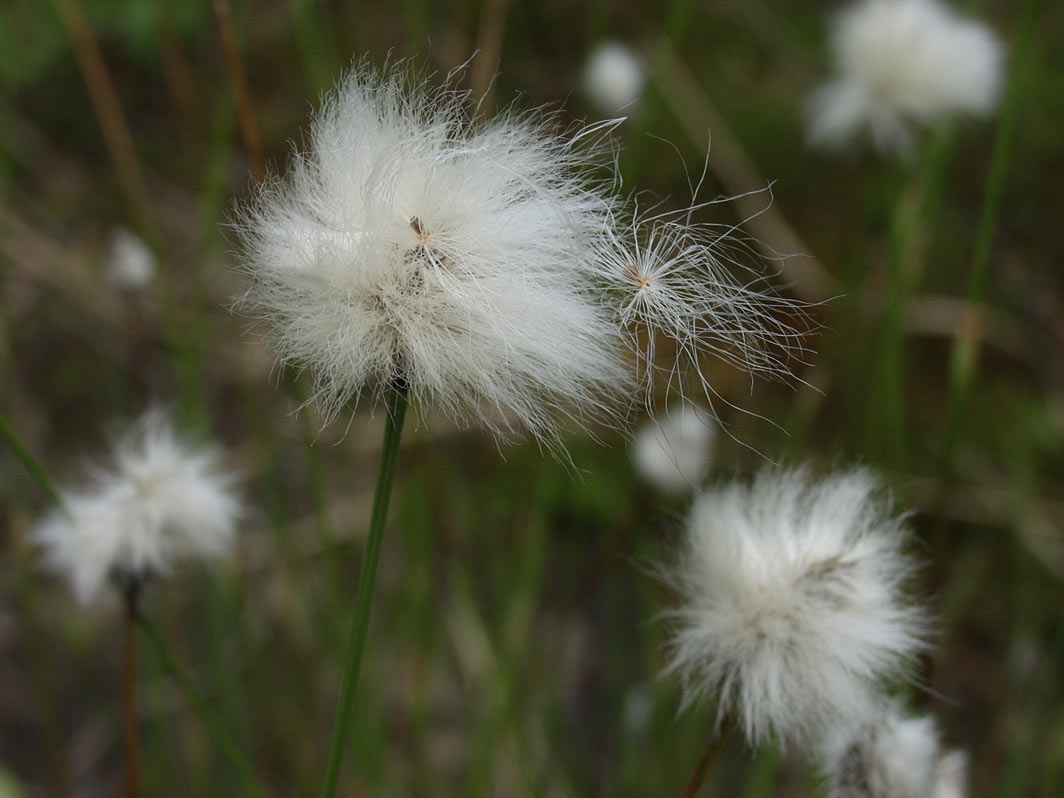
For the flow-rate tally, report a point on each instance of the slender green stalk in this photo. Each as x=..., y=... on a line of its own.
x=223, y=738
x=963, y=363
x=908, y=228
x=29, y=461
x=397, y=404
x=708, y=758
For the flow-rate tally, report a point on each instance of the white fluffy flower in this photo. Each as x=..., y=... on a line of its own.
x=900, y=62
x=794, y=613
x=613, y=77
x=409, y=245
x=163, y=500
x=130, y=264
x=894, y=756
x=951, y=775
x=673, y=453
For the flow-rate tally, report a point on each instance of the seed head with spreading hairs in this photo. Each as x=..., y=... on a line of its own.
x=673, y=280
x=793, y=611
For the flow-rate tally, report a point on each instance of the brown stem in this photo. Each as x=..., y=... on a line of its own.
x=130, y=697
x=709, y=757
x=489, y=52
x=249, y=130
x=108, y=108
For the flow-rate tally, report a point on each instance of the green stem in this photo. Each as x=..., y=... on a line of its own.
x=915, y=203
x=397, y=404
x=963, y=364
x=29, y=461
x=215, y=725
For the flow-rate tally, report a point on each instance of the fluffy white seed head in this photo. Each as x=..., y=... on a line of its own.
x=893, y=756
x=902, y=62
x=410, y=245
x=951, y=775
x=677, y=283
x=163, y=500
x=673, y=452
x=614, y=77
x=793, y=610
x=130, y=264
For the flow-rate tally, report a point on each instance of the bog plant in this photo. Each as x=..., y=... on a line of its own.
x=487, y=268
x=417, y=253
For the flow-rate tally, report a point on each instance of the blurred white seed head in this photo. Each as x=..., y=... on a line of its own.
x=902, y=62
x=951, y=775
x=130, y=264
x=673, y=452
x=409, y=244
x=162, y=500
x=793, y=612
x=614, y=77
x=893, y=756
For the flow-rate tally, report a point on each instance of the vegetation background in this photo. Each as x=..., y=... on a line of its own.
x=514, y=648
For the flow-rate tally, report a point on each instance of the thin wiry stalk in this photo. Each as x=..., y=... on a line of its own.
x=708, y=758
x=396, y=410
x=108, y=109
x=223, y=738
x=489, y=50
x=132, y=743
x=249, y=130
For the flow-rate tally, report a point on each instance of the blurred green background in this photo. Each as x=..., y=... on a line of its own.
x=514, y=648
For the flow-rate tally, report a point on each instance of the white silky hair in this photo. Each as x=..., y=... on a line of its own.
x=163, y=499
x=902, y=62
x=895, y=755
x=492, y=267
x=794, y=614
x=672, y=279
x=410, y=245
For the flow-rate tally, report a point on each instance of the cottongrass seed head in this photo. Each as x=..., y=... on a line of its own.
x=793, y=611
x=674, y=281
x=902, y=62
x=893, y=756
x=673, y=452
x=614, y=77
x=409, y=245
x=164, y=499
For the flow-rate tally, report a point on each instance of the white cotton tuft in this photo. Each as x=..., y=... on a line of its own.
x=163, y=500
x=673, y=453
x=614, y=77
x=902, y=62
x=951, y=775
x=793, y=608
x=130, y=264
x=409, y=245
x=893, y=756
